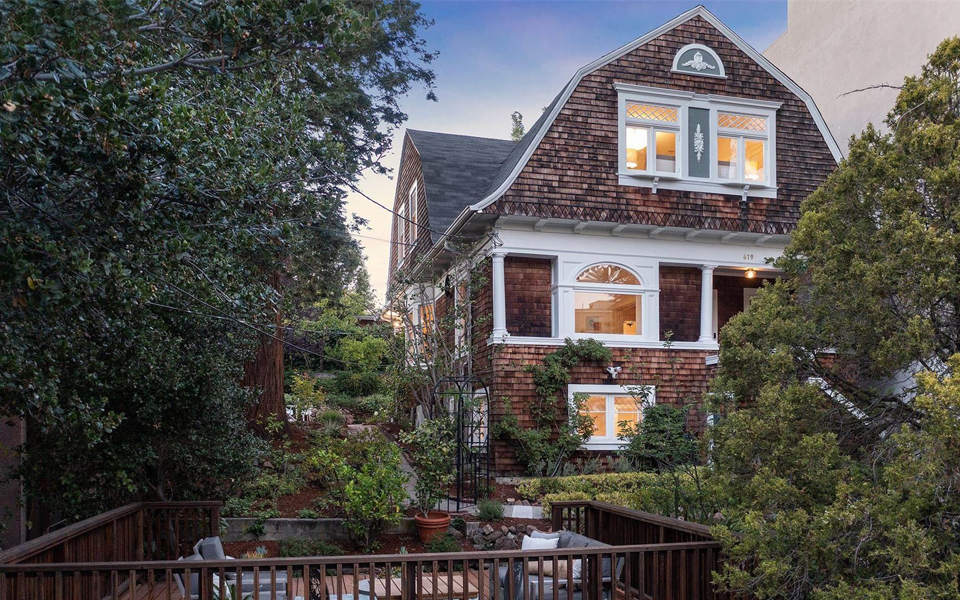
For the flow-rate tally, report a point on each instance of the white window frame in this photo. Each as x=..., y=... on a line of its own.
x=653, y=126
x=629, y=93
x=610, y=442
x=742, y=137
x=568, y=320
x=412, y=212
x=402, y=225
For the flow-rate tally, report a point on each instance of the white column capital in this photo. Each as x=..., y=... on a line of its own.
x=498, y=254
x=708, y=267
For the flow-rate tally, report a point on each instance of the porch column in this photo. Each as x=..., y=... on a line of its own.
x=499, y=297
x=706, y=303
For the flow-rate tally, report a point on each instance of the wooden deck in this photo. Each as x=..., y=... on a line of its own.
x=162, y=591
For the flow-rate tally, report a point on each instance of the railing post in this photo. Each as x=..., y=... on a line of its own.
x=555, y=519
x=215, y=521
x=139, y=533
x=410, y=580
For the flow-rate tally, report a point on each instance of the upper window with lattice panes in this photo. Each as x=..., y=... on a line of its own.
x=652, y=137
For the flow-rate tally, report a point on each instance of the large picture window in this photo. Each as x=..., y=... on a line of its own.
x=608, y=300
x=613, y=409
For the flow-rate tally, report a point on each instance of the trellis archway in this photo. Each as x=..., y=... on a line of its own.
x=466, y=401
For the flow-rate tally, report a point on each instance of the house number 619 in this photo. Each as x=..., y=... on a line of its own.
x=747, y=257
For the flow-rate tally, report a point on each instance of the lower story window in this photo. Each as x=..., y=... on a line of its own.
x=613, y=409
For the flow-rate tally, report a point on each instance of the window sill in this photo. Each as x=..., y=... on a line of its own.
x=602, y=445
x=606, y=341
x=707, y=186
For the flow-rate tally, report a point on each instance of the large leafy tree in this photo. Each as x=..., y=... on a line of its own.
x=168, y=167
x=837, y=448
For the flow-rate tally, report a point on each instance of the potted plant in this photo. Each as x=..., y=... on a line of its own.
x=432, y=448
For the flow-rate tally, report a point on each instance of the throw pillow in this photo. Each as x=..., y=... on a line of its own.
x=532, y=543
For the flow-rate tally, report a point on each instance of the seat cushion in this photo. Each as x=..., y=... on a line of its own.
x=194, y=577
x=212, y=549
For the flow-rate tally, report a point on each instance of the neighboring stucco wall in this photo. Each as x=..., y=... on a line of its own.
x=835, y=46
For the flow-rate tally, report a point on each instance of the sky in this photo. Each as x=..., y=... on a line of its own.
x=500, y=56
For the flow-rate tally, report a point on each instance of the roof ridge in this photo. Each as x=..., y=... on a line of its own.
x=476, y=137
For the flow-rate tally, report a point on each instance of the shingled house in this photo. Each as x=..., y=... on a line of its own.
x=645, y=200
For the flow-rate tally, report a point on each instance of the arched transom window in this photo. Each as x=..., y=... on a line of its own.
x=614, y=308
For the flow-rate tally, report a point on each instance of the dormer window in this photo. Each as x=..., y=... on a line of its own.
x=677, y=140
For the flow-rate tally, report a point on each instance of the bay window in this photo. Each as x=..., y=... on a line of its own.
x=679, y=140
x=614, y=410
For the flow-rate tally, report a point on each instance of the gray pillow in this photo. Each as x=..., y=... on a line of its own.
x=542, y=535
x=194, y=577
x=212, y=549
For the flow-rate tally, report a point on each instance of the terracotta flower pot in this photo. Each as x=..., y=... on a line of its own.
x=435, y=523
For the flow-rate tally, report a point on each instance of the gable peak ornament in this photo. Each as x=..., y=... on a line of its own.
x=697, y=63
x=697, y=59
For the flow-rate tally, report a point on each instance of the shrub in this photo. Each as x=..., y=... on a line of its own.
x=330, y=422
x=304, y=397
x=363, y=354
x=650, y=492
x=362, y=473
x=432, y=456
x=298, y=547
x=237, y=507
x=489, y=510
x=443, y=543
x=308, y=513
x=355, y=384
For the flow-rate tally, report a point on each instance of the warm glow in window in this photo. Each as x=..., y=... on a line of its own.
x=652, y=112
x=666, y=152
x=600, y=312
x=608, y=274
x=626, y=413
x=595, y=407
x=727, y=154
x=742, y=122
x=637, y=148
x=753, y=160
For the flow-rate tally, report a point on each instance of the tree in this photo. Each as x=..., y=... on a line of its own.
x=517, y=130
x=837, y=390
x=168, y=168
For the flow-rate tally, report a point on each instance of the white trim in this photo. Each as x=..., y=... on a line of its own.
x=609, y=343
x=720, y=74
x=668, y=26
x=610, y=442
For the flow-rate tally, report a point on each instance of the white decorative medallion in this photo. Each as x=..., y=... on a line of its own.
x=697, y=63
x=698, y=142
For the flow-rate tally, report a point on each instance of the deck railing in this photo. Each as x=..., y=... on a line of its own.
x=632, y=568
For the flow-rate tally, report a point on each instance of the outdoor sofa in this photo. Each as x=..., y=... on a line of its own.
x=211, y=548
x=567, y=539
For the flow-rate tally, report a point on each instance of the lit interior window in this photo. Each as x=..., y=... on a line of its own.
x=652, y=112
x=601, y=312
x=608, y=274
x=753, y=161
x=637, y=148
x=595, y=407
x=742, y=122
x=727, y=158
x=666, y=152
x=626, y=413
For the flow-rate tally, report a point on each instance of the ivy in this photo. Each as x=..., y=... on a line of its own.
x=546, y=446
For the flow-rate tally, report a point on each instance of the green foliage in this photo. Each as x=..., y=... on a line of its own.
x=646, y=491
x=432, y=451
x=841, y=483
x=363, y=476
x=516, y=129
x=258, y=528
x=660, y=440
x=304, y=397
x=355, y=384
x=330, y=422
x=300, y=547
x=161, y=162
x=375, y=407
x=307, y=513
x=443, y=543
x=365, y=354
x=489, y=510
x=545, y=447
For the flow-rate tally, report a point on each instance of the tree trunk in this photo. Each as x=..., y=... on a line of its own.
x=265, y=373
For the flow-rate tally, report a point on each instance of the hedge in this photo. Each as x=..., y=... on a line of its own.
x=649, y=492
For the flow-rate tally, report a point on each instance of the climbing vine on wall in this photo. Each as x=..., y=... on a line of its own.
x=544, y=447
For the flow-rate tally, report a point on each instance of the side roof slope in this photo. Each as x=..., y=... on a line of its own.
x=457, y=170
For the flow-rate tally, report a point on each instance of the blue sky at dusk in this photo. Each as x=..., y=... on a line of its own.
x=497, y=57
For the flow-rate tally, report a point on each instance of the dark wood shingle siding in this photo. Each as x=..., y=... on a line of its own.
x=527, y=283
x=409, y=171
x=573, y=172
x=680, y=303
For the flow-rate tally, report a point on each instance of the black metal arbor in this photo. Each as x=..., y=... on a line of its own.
x=466, y=401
